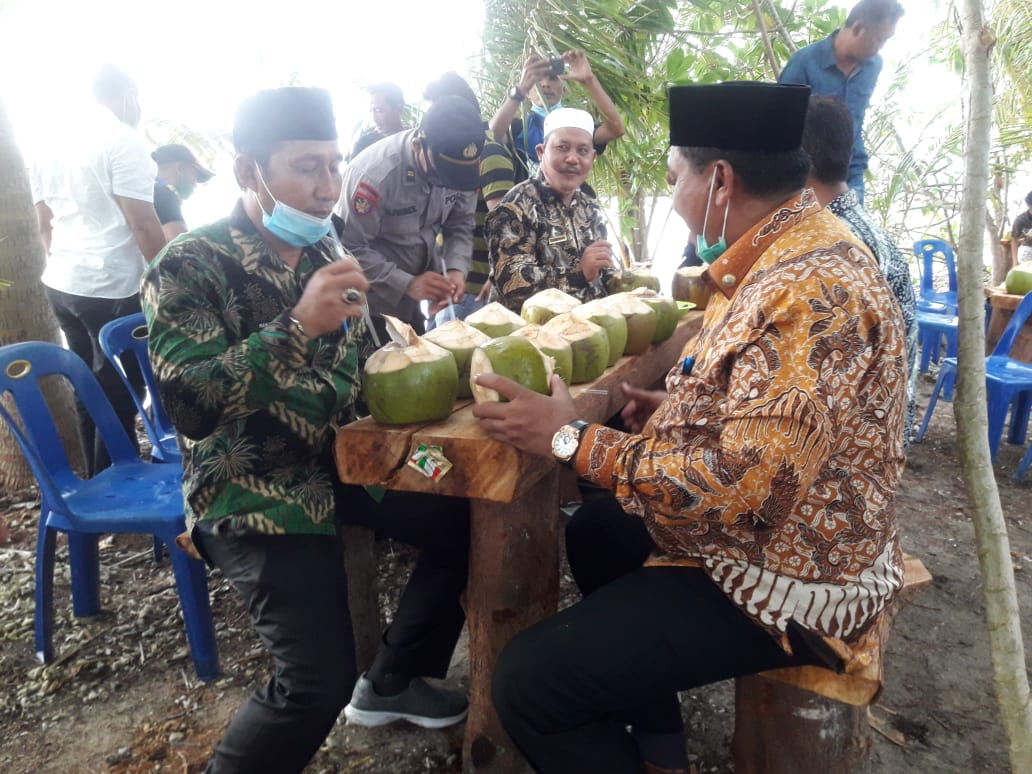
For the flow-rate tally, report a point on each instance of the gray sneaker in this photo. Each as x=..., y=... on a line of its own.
x=420, y=703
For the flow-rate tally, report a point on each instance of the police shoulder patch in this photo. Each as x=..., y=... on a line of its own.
x=365, y=199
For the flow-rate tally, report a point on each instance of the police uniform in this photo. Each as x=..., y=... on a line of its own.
x=392, y=217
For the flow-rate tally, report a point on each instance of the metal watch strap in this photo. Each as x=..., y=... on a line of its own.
x=516, y=95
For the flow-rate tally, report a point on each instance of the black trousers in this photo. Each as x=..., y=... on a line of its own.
x=295, y=588
x=81, y=318
x=568, y=688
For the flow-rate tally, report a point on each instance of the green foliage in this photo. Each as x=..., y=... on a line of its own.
x=637, y=48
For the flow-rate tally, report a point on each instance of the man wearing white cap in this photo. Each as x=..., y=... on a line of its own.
x=547, y=233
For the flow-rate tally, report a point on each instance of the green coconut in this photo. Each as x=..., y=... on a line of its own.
x=667, y=313
x=460, y=339
x=542, y=307
x=612, y=322
x=1019, y=279
x=495, y=320
x=515, y=358
x=409, y=379
x=553, y=345
x=589, y=344
x=641, y=321
x=630, y=279
x=689, y=285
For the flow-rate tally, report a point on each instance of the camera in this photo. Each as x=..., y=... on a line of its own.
x=556, y=67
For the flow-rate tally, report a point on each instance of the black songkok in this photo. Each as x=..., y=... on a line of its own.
x=740, y=115
x=289, y=113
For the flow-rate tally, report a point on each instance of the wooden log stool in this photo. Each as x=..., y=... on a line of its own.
x=809, y=719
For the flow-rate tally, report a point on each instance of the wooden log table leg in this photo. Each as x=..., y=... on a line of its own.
x=513, y=583
x=781, y=729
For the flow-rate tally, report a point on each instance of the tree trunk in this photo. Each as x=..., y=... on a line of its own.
x=1006, y=647
x=24, y=310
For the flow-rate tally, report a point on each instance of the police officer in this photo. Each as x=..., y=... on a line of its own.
x=399, y=196
x=179, y=173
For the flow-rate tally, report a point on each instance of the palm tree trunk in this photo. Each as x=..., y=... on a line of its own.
x=1006, y=647
x=24, y=310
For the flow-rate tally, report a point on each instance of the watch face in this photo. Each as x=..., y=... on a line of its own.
x=564, y=444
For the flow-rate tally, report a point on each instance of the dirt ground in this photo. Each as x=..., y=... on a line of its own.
x=122, y=697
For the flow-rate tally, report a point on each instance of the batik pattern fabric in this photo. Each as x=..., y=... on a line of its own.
x=535, y=241
x=774, y=461
x=897, y=273
x=255, y=401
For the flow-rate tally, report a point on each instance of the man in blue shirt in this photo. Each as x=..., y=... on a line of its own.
x=546, y=88
x=847, y=65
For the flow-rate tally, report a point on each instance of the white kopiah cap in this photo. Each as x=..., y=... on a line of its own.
x=572, y=118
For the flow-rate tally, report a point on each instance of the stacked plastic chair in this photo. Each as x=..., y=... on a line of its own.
x=1008, y=385
x=129, y=496
x=936, y=309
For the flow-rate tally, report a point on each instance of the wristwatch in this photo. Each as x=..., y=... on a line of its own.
x=566, y=441
x=516, y=95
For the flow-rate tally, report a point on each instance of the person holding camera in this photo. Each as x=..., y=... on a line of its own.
x=544, y=82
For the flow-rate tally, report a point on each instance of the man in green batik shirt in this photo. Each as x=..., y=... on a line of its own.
x=256, y=340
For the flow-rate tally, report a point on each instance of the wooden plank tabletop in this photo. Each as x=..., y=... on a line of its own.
x=1001, y=299
x=373, y=454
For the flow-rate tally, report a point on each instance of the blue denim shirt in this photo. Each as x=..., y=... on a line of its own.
x=814, y=65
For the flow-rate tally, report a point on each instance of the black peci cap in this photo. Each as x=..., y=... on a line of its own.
x=453, y=133
x=289, y=113
x=167, y=154
x=739, y=115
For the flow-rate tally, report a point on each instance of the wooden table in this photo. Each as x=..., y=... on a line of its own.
x=1003, y=305
x=514, y=524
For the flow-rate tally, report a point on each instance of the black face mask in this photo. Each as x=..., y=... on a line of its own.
x=432, y=175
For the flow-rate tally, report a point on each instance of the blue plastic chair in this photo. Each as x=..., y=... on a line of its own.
x=127, y=337
x=930, y=252
x=932, y=328
x=1008, y=385
x=1023, y=466
x=129, y=496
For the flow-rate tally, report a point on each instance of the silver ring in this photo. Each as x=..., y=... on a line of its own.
x=351, y=296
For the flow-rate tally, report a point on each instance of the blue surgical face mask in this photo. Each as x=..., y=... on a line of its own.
x=291, y=225
x=543, y=111
x=708, y=253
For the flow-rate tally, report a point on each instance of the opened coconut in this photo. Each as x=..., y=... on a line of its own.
x=542, y=307
x=690, y=285
x=515, y=358
x=495, y=320
x=641, y=321
x=612, y=322
x=409, y=379
x=629, y=279
x=460, y=339
x=553, y=345
x=667, y=313
x=589, y=345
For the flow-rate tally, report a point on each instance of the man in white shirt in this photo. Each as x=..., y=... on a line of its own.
x=94, y=195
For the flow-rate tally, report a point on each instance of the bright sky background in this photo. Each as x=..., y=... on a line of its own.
x=195, y=60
